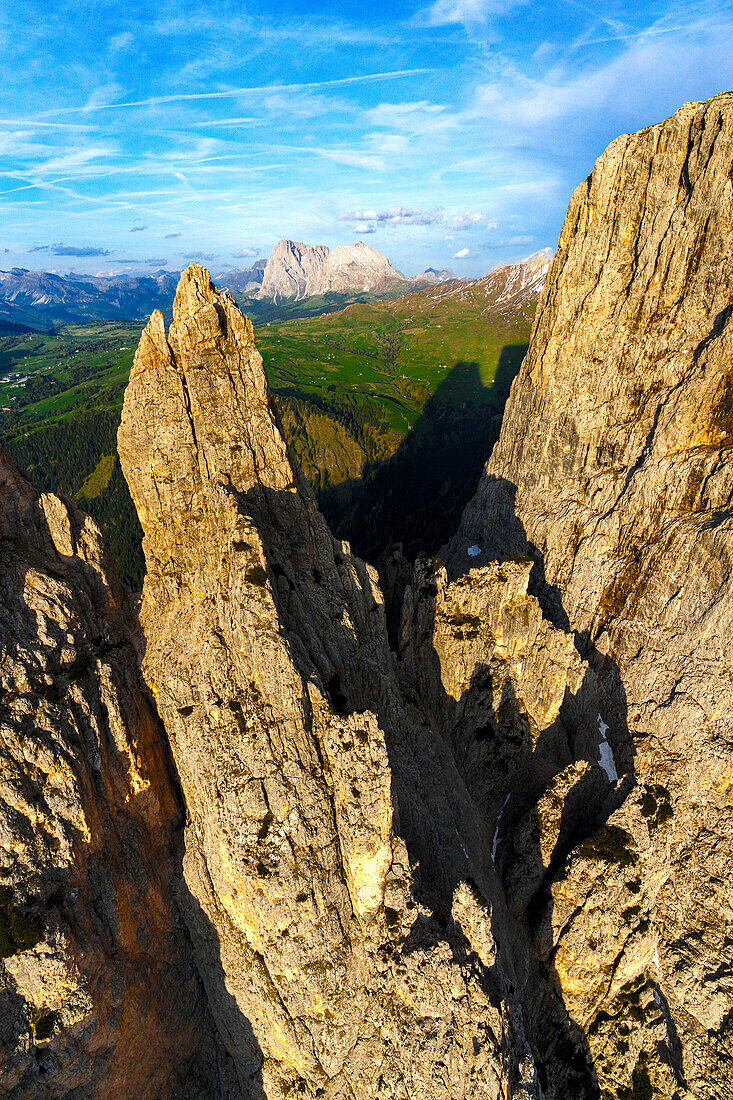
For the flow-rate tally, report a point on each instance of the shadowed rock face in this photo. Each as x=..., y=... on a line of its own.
x=100, y=997
x=267, y=651
x=613, y=472
x=343, y=898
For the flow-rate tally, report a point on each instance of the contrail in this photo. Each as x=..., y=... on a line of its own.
x=233, y=92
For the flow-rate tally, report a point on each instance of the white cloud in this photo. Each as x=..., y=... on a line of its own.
x=668, y=61
x=314, y=34
x=302, y=104
x=418, y=117
x=121, y=41
x=461, y=253
x=391, y=145
x=467, y=11
x=369, y=219
x=397, y=215
x=76, y=161
x=370, y=161
x=200, y=257
x=243, y=120
x=471, y=220
x=234, y=93
x=245, y=253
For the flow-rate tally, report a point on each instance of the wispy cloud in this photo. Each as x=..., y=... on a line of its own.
x=62, y=249
x=470, y=220
x=236, y=93
x=472, y=134
x=659, y=58
x=122, y=41
x=419, y=117
x=201, y=257
x=467, y=11
x=229, y=123
x=36, y=124
x=372, y=162
x=138, y=228
x=368, y=221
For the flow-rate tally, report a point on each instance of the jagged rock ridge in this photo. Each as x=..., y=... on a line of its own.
x=505, y=289
x=496, y=861
x=44, y=298
x=346, y=911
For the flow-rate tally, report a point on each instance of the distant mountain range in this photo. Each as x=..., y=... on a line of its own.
x=294, y=274
x=42, y=299
x=505, y=289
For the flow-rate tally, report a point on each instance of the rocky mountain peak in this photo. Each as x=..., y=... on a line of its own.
x=100, y=997
x=296, y=270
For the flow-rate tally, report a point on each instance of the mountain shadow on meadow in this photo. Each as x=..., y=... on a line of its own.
x=417, y=496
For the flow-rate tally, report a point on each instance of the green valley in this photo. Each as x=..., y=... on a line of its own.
x=370, y=397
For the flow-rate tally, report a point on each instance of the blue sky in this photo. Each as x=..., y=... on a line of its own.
x=448, y=134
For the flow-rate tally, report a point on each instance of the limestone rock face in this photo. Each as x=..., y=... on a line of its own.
x=99, y=993
x=327, y=966
x=348, y=915
x=613, y=475
x=296, y=270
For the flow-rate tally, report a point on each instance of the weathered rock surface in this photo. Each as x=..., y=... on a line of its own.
x=345, y=907
x=613, y=473
x=99, y=994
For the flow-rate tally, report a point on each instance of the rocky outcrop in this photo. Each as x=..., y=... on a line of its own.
x=613, y=475
x=99, y=993
x=296, y=270
x=344, y=903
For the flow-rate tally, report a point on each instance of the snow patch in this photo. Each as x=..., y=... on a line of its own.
x=463, y=847
x=605, y=753
x=474, y=551
x=495, y=844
